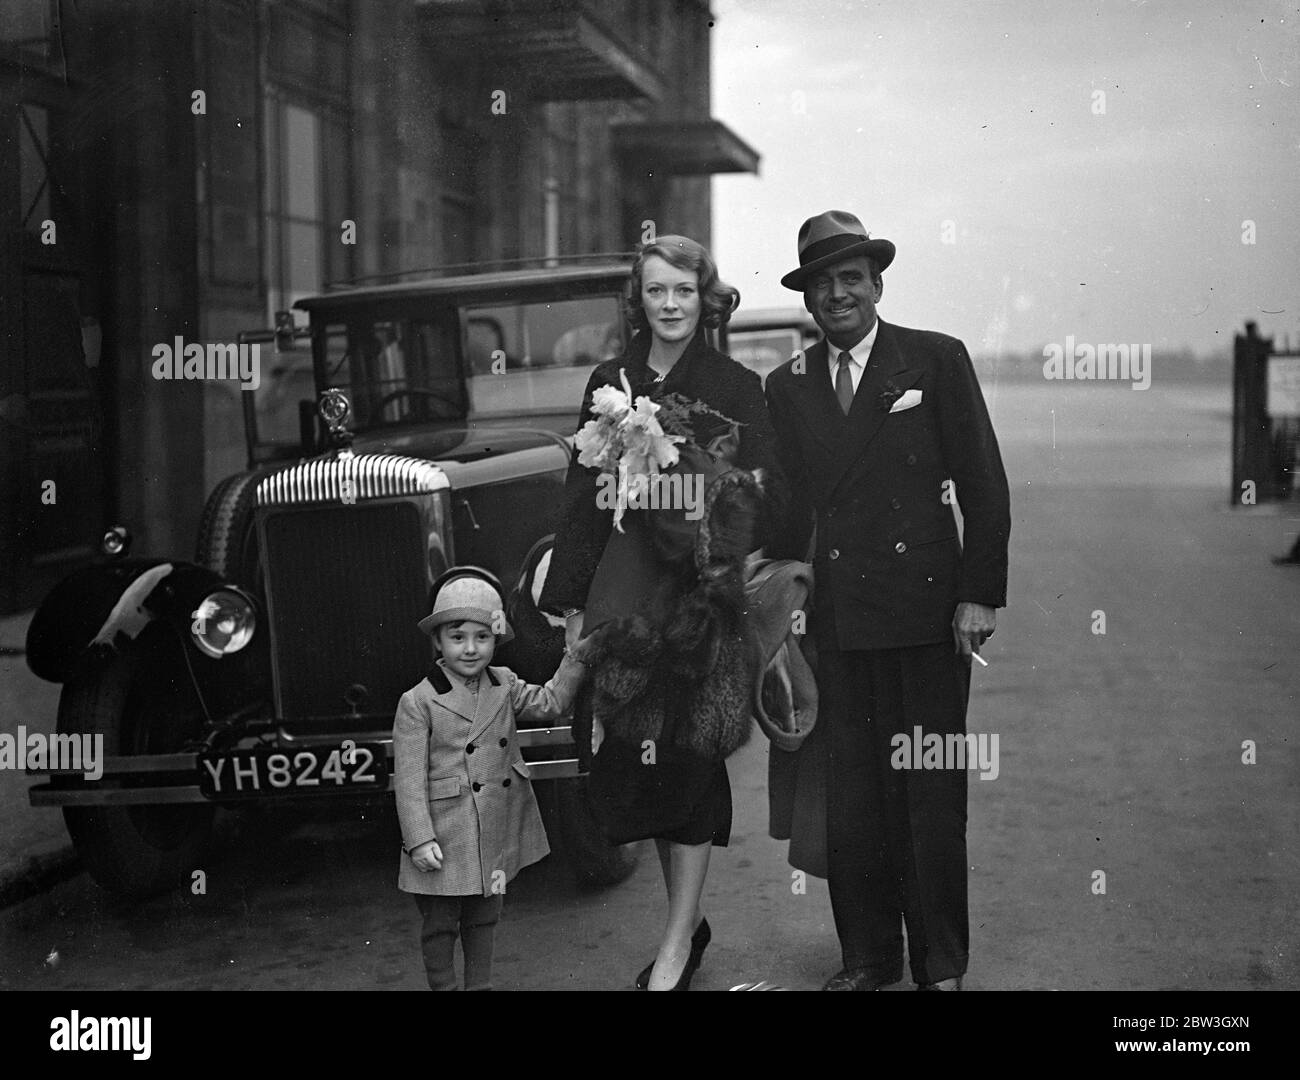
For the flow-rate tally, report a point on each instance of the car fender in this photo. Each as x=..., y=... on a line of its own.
x=106, y=606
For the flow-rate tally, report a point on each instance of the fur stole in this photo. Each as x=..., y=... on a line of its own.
x=689, y=672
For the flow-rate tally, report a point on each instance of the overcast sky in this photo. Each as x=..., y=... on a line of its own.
x=1118, y=226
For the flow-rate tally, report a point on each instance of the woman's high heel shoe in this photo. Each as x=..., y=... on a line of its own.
x=689, y=969
x=699, y=942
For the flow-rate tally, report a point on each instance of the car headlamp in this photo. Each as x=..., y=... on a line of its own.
x=223, y=623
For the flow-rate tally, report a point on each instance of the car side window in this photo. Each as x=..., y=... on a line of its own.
x=537, y=357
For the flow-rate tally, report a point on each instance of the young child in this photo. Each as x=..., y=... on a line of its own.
x=464, y=801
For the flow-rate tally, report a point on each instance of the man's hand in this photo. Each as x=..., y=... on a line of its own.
x=972, y=625
x=428, y=856
x=572, y=630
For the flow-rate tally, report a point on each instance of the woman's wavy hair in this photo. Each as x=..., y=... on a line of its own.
x=717, y=299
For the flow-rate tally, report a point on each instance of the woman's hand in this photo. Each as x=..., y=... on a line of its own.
x=572, y=629
x=428, y=856
x=597, y=734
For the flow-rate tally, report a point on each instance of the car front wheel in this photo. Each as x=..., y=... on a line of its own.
x=134, y=851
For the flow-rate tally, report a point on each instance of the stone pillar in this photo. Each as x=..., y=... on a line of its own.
x=136, y=70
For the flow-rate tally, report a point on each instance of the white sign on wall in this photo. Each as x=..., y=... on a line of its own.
x=1283, y=386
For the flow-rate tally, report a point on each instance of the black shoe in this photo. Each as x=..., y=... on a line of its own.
x=684, y=979
x=699, y=942
x=945, y=984
x=857, y=979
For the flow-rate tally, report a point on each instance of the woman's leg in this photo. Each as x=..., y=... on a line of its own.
x=685, y=870
x=665, y=849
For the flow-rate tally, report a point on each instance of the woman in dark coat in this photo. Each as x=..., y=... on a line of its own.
x=666, y=593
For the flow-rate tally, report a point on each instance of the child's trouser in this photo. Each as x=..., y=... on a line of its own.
x=474, y=919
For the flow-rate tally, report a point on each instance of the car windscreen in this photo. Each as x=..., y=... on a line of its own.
x=399, y=371
x=536, y=357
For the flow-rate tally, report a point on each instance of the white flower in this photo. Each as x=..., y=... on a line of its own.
x=597, y=444
x=611, y=401
x=647, y=449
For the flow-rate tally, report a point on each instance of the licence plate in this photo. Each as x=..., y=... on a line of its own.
x=311, y=770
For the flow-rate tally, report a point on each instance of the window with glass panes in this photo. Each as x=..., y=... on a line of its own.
x=305, y=126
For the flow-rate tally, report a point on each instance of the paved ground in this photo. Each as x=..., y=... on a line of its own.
x=1119, y=753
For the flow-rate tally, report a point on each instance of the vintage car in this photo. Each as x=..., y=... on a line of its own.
x=765, y=338
x=408, y=427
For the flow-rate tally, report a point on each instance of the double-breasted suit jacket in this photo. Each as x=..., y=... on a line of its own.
x=888, y=564
x=460, y=778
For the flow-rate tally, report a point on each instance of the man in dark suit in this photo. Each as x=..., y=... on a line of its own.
x=879, y=430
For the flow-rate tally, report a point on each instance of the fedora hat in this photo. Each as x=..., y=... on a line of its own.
x=468, y=592
x=830, y=238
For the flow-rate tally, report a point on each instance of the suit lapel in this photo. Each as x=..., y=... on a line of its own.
x=865, y=416
x=813, y=398
x=451, y=692
x=491, y=697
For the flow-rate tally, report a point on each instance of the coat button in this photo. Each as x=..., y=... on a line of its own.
x=476, y=786
x=831, y=512
x=503, y=742
x=911, y=459
x=900, y=547
x=505, y=782
x=835, y=553
x=895, y=504
x=470, y=748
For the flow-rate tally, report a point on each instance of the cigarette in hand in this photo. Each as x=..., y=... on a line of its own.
x=981, y=659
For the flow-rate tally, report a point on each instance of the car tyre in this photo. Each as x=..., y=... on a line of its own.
x=133, y=851
x=227, y=543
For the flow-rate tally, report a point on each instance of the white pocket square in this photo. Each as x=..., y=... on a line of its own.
x=910, y=400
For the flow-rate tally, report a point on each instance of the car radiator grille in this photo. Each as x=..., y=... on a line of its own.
x=346, y=587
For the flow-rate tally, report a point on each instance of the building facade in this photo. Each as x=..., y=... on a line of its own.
x=188, y=170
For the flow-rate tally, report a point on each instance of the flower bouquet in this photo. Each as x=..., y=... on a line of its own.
x=635, y=442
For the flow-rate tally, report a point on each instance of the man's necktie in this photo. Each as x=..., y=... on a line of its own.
x=844, y=383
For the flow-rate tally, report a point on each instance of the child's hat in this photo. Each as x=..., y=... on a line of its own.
x=468, y=592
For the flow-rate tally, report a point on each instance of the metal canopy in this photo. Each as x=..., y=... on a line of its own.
x=686, y=148
x=560, y=50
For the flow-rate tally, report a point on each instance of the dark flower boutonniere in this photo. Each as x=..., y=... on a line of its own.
x=889, y=395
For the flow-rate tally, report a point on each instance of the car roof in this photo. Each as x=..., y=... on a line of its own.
x=764, y=318
x=499, y=285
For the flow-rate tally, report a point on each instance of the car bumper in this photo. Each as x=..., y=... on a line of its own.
x=159, y=779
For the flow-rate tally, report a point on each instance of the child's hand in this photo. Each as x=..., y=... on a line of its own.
x=428, y=856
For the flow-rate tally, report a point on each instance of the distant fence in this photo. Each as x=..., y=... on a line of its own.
x=1265, y=418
